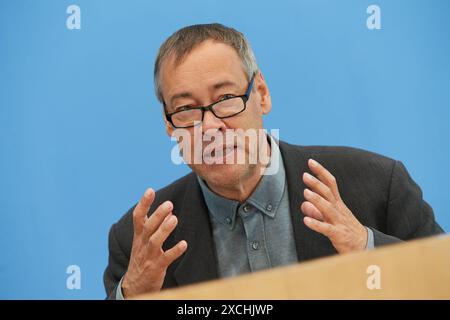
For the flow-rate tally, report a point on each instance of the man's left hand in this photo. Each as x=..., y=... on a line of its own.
x=327, y=214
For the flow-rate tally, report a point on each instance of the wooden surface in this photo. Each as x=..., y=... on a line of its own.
x=413, y=270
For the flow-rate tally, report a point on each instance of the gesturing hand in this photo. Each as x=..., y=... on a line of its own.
x=327, y=214
x=148, y=262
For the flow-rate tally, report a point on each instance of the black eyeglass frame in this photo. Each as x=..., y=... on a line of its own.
x=210, y=107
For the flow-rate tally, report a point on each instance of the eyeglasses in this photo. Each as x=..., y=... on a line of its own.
x=227, y=107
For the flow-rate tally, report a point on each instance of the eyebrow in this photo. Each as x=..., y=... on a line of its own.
x=219, y=85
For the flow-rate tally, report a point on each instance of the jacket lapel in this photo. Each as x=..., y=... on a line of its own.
x=309, y=244
x=199, y=262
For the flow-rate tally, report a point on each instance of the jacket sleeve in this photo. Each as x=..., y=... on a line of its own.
x=408, y=216
x=117, y=265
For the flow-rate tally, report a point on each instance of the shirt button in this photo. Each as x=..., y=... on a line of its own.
x=246, y=208
x=255, y=245
x=269, y=207
x=228, y=220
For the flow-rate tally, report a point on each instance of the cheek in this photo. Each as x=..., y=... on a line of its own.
x=255, y=110
x=251, y=118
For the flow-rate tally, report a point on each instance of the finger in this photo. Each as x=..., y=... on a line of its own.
x=325, y=176
x=318, y=186
x=157, y=217
x=321, y=204
x=311, y=211
x=162, y=233
x=174, y=253
x=141, y=210
x=321, y=227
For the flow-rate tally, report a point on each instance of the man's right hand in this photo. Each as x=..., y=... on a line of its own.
x=148, y=261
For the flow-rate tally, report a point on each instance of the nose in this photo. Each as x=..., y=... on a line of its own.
x=210, y=121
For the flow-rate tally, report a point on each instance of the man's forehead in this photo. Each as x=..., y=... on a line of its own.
x=209, y=49
x=209, y=67
x=207, y=58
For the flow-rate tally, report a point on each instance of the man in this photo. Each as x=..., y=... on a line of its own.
x=228, y=217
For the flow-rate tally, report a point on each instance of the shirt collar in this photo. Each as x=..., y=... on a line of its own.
x=266, y=197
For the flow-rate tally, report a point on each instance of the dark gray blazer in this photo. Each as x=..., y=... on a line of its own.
x=378, y=190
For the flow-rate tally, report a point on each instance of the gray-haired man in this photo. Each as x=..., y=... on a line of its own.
x=227, y=217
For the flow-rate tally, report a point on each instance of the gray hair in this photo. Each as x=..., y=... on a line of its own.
x=183, y=41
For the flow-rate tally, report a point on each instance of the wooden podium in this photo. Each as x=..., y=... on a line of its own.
x=418, y=269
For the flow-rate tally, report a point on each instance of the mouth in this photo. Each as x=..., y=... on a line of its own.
x=219, y=155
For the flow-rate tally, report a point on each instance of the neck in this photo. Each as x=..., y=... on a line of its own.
x=247, y=183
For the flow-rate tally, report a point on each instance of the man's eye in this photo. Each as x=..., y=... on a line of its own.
x=227, y=96
x=183, y=108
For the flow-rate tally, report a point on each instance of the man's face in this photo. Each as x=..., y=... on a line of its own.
x=210, y=72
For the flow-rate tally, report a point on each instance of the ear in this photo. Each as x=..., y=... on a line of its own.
x=263, y=90
x=169, y=127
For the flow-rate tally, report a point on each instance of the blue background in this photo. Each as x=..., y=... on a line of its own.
x=81, y=131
